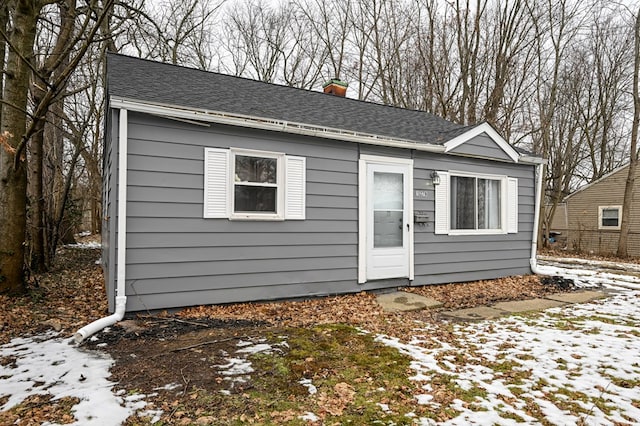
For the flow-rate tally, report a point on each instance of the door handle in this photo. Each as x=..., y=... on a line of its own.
x=408, y=227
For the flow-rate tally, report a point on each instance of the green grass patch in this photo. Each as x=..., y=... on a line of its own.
x=352, y=375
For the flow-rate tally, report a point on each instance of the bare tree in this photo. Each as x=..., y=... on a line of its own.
x=633, y=155
x=21, y=64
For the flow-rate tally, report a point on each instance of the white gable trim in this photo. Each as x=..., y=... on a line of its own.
x=490, y=131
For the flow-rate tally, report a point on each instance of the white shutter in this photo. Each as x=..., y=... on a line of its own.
x=216, y=183
x=295, y=188
x=442, y=204
x=512, y=205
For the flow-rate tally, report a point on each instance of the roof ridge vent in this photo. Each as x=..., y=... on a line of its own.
x=336, y=87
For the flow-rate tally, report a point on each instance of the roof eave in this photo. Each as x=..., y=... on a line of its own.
x=174, y=111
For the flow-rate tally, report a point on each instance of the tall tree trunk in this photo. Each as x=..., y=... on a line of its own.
x=13, y=174
x=4, y=19
x=633, y=156
x=37, y=207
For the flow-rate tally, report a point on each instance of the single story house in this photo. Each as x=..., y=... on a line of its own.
x=588, y=219
x=221, y=189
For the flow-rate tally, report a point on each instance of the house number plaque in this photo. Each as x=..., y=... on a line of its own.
x=421, y=194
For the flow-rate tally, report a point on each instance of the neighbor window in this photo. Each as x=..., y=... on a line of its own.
x=476, y=203
x=253, y=185
x=609, y=217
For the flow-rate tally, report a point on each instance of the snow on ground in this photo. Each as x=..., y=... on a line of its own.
x=48, y=364
x=572, y=365
x=589, y=273
x=87, y=245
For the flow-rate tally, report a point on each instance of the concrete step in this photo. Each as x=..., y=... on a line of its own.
x=401, y=301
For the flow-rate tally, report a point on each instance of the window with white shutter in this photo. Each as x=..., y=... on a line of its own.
x=253, y=185
x=467, y=203
x=216, y=183
x=512, y=206
x=442, y=204
x=295, y=205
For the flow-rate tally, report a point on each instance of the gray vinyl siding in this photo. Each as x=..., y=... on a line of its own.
x=456, y=258
x=482, y=146
x=177, y=258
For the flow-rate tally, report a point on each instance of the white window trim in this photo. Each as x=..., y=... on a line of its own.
x=279, y=185
x=611, y=228
x=219, y=182
x=503, y=204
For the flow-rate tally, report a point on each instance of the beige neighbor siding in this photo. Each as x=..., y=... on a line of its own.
x=582, y=212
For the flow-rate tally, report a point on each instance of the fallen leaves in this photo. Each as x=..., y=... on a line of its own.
x=335, y=404
x=39, y=409
x=64, y=299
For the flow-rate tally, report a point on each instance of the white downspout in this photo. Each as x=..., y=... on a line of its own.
x=121, y=298
x=534, y=238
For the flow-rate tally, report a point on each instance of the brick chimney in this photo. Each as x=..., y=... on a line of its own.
x=336, y=87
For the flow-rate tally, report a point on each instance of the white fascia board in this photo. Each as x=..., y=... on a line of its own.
x=490, y=131
x=530, y=159
x=270, y=124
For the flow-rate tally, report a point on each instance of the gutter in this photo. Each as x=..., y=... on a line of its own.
x=121, y=298
x=534, y=238
x=254, y=122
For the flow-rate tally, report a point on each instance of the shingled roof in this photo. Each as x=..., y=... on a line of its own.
x=165, y=84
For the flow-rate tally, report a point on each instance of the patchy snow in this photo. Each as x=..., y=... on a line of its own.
x=571, y=365
x=578, y=363
x=238, y=368
x=593, y=273
x=254, y=349
x=311, y=388
x=169, y=387
x=384, y=407
x=47, y=364
x=87, y=245
x=310, y=417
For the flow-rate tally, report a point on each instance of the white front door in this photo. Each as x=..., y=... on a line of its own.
x=389, y=230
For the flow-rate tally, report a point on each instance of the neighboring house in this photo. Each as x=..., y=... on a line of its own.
x=220, y=189
x=589, y=218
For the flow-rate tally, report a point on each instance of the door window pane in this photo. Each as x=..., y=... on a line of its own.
x=388, y=209
x=387, y=191
x=387, y=228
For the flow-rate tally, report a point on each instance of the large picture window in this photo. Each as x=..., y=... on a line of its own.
x=476, y=203
x=467, y=203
